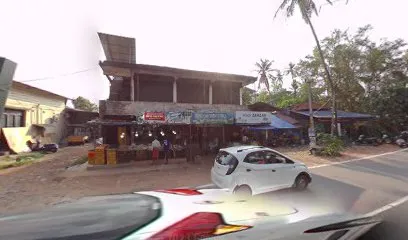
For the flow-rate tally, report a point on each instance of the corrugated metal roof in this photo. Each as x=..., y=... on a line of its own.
x=18, y=84
x=117, y=48
x=340, y=114
x=315, y=106
x=123, y=69
x=277, y=123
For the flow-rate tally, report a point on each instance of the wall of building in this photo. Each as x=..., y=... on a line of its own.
x=226, y=93
x=160, y=89
x=38, y=108
x=192, y=91
x=154, y=88
x=132, y=108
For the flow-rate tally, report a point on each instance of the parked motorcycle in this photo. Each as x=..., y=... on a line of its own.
x=402, y=139
x=363, y=140
x=46, y=148
x=386, y=139
x=401, y=143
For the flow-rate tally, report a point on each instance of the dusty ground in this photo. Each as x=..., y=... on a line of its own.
x=49, y=181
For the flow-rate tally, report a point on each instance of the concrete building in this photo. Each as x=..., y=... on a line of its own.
x=28, y=111
x=165, y=92
x=139, y=87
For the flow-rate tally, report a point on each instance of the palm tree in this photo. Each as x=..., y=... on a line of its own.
x=307, y=8
x=265, y=70
x=291, y=71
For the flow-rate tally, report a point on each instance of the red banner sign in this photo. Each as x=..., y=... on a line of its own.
x=154, y=116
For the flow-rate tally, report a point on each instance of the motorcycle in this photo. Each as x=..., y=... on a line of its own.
x=46, y=148
x=402, y=139
x=401, y=143
x=363, y=140
x=386, y=139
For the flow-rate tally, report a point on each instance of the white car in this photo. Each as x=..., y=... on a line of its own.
x=251, y=170
x=181, y=214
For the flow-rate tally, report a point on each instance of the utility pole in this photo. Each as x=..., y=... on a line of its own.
x=312, y=132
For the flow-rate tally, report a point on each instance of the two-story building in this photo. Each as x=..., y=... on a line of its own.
x=165, y=99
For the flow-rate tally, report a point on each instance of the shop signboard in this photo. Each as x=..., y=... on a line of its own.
x=212, y=118
x=178, y=117
x=154, y=117
x=248, y=117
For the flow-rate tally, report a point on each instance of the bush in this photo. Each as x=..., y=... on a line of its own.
x=332, y=145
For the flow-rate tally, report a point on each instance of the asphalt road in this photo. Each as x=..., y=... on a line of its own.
x=394, y=226
x=358, y=187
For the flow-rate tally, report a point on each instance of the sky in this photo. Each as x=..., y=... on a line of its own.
x=56, y=46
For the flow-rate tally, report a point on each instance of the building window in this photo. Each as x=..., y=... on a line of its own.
x=12, y=118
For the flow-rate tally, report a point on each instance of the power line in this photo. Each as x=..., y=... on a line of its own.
x=63, y=75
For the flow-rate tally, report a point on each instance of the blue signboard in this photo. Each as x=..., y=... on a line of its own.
x=178, y=117
x=212, y=118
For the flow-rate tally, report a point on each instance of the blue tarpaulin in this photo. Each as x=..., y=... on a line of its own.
x=277, y=123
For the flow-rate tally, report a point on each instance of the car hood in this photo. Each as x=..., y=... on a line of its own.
x=106, y=217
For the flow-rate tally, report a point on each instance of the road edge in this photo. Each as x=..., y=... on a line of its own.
x=387, y=207
x=357, y=159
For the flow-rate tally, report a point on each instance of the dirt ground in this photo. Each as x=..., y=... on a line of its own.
x=50, y=181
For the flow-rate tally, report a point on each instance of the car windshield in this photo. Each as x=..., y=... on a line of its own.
x=224, y=158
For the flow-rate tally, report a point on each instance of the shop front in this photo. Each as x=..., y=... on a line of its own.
x=249, y=119
x=212, y=130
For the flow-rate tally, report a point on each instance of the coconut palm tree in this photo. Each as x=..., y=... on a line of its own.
x=291, y=71
x=307, y=8
x=265, y=73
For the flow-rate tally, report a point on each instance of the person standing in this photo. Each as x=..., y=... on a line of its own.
x=245, y=139
x=166, y=148
x=156, y=148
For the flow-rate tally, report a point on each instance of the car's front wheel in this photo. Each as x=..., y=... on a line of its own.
x=243, y=191
x=301, y=182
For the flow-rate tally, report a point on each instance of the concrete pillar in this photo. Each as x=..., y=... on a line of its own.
x=137, y=88
x=240, y=96
x=175, y=90
x=210, y=93
x=132, y=87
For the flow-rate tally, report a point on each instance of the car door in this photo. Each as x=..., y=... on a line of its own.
x=259, y=173
x=284, y=168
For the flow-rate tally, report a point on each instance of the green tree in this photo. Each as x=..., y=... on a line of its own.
x=266, y=73
x=307, y=8
x=369, y=76
x=84, y=104
x=264, y=96
x=247, y=96
x=291, y=71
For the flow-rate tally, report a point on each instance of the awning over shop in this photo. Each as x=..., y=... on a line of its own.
x=277, y=123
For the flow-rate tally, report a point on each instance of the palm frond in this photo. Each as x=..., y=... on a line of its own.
x=313, y=7
x=281, y=7
x=290, y=10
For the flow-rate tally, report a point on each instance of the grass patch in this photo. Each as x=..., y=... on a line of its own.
x=29, y=156
x=20, y=160
x=79, y=161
